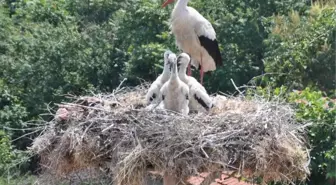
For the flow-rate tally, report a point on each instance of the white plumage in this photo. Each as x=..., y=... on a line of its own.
x=195, y=35
x=175, y=93
x=152, y=96
x=199, y=98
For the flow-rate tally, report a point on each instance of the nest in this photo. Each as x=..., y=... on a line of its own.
x=119, y=137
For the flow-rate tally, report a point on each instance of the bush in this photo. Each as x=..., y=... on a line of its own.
x=5, y=151
x=12, y=112
x=301, y=49
x=321, y=111
x=240, y=31
x=52, y=48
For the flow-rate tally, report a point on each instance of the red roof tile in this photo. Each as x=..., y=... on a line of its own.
x=195, y=180
x=224, y=176
x=224, y=179
x=204, y=174
x=230, y=181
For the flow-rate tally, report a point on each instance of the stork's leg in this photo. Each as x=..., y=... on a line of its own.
x=201, y=75
x=189, y=70
x=201, y=71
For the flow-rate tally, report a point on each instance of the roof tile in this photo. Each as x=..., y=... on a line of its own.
x=195, y=180
x=224, y=176
x=230, y=181
x=204, y=174
x=225, y=179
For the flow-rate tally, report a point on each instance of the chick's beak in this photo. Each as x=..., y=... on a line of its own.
x=167, y=2
x=178, y=64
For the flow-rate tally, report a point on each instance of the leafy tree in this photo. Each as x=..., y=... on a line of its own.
x=51, y=48
x=321, y=111
x=12, y=112
x=301, y=49
x=5, y=151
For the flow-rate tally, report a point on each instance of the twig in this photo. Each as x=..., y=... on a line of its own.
x=119, y=86
x=235, y=86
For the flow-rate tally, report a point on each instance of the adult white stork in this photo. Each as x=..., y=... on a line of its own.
x=195, y=35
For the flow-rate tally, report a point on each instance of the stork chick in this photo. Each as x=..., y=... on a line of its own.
x=199, y=98
x=152, y=95
x=175, y=93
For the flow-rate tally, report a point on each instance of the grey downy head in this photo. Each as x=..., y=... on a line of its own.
x=165, y=56
x=183, y=60
x=172, y=62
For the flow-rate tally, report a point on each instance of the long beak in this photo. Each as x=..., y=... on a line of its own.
x=178, y=65
x=170, y=66
x=167, y=3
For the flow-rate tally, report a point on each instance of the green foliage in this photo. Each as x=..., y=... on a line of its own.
x=22, y=180
x=46, y=62
x=145, y=39
x=5, y=151
x=11, y=110
x=11, y=160
x=95, y=11
x=143, y=23
x=268, y=93
x=301, y=49
x=53, y=12
x=51, y=48
x=321, y=111
x=240, y=31
x=145, y=62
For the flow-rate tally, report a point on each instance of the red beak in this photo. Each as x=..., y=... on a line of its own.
x=167, y=3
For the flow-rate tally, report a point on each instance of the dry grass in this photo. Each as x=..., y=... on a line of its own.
x=116, y=133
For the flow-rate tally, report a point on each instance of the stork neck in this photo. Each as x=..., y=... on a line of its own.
x=182, y=73
x=166, y=71
x=182, y=4
x=174, y=74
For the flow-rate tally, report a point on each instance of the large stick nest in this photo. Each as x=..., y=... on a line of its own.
x=255, y=137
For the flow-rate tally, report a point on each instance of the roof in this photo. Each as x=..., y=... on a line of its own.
x=225, y=179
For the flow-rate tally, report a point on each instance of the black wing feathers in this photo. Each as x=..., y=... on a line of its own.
x=212, y=48
x=152, y=97
x=200, y=101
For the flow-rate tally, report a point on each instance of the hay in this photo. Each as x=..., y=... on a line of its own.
x=117, y=134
